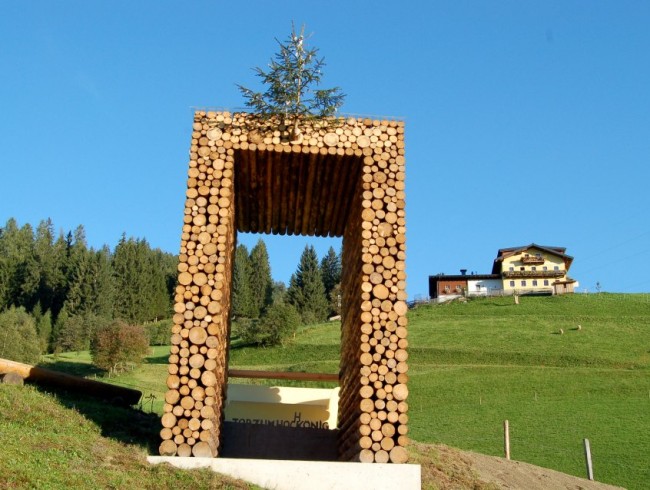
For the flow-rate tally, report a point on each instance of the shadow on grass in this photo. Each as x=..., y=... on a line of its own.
x=74, y=368
x=125, y=424
x=164, y=359
x=493, y=304
x=128, y=425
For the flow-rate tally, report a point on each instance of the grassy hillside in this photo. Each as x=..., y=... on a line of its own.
x=63, y=443
x=475, y=364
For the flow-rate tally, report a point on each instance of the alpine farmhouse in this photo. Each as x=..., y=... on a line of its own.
x=531, y=269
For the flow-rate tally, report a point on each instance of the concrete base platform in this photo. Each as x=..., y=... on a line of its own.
x=306, y=475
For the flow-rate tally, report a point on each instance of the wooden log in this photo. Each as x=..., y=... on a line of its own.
x=297, y=376
x=54, y=379
x=293, y=194
x=184, y=450
x=202, y=450
x=398, y=455
x=381, y=456
x=168, y=448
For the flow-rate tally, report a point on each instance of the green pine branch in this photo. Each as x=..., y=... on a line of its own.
x=290, y=82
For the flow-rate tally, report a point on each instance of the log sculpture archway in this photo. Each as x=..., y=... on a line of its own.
x=345, y=179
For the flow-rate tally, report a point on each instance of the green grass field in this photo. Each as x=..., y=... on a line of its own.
x=474, y=365
x=63, y=442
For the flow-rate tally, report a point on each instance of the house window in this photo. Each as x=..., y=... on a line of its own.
x=522, y=268
x=512, y=284
x=545, y=282
x=523, y=283
x=556, y=268
x=534, y=282
x=459, y=288
x=447, y=289
x=511, y=268
x=533, y=268
x=545, y=268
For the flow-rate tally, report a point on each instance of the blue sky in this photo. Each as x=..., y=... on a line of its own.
x=525, y=121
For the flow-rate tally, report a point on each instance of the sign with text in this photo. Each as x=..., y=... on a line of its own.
x=282, y=406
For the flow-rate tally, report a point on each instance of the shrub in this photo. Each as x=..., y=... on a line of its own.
x=117, y=344
x=159, y=332
x=278, y=323
x=18, y=338
x=75, y=332
x=239, y=328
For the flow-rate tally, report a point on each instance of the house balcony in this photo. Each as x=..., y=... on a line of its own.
x=525, y=274
x=532, y=259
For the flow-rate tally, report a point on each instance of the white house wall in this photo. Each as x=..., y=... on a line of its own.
x=484, y=287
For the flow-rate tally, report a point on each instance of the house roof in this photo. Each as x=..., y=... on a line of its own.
x=504, y=253
x=525, y=247
x=463, y=277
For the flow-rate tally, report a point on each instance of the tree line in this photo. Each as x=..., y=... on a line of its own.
x=266, y=311
x=56, y=292
x=68, y=289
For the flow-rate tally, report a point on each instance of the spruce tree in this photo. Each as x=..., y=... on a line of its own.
x=103, y=287
x=260, y=282
x=126, y=279
x=294, y=293
x=52, y=280
x=290, y=82
x=60, y=253
x=58, y=331
x=306, y=290
x=141, y=290
x=71, y=333
x=44, y=330
x=78, y=277
x=330, y=268
x=20, y=268
x=242, y=303
x=4, y=283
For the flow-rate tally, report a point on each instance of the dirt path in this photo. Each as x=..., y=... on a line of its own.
x=517, y=475
x=446, y=468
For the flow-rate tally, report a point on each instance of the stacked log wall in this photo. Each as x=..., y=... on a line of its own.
x=198, y=367
x=343, y=179
x=373, y=409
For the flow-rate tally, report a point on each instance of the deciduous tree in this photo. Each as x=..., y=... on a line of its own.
x=18, y=338
x=280, y=321
x=118, y=343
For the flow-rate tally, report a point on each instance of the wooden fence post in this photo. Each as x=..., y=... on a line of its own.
x=590, y=468
x=506, y=439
